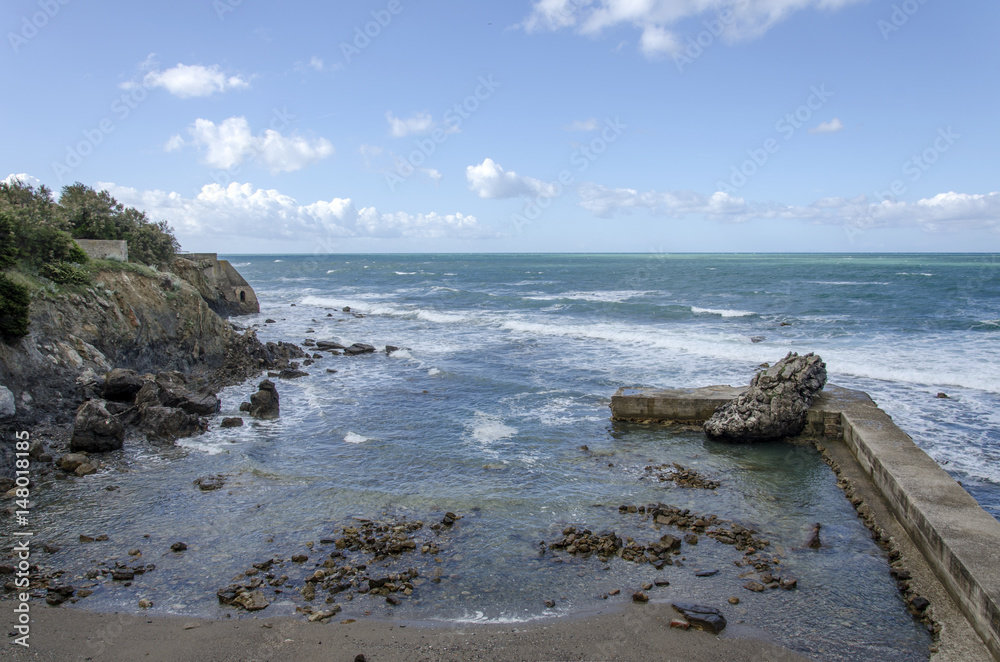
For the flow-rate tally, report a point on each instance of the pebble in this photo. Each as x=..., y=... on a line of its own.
x=145, y=603
x=639, y=596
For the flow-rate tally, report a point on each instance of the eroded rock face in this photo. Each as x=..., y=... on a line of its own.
x=264, y=403
x=95, y=430
x=776, y=403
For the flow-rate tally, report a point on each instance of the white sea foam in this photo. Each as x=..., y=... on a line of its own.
x=433, y=371
x=607, y=296
x=910, y=273
x=487, y=428
x=848, y=282
x=405, y=273
x=355, y=438
x=480, y=617
x=723, y=312
x=242, y=264
x=279, y=260
x=195, y=444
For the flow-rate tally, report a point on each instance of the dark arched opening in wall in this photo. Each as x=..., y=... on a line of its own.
x=243, y=296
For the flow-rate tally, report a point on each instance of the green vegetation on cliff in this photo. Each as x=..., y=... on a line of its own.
x=37, y=239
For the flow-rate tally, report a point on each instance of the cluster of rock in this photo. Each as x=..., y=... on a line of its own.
x=775, y=405
x=680, y=476
x=354, y=349
x=580, y=541
x=347, y=568
x=162, y=407
x=57, y=593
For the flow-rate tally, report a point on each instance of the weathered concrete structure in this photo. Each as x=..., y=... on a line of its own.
x=225, y=290
x=958, y=539
x=104, y=249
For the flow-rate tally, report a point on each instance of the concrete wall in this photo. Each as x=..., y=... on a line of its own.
x=104, y=249
x=959, y=539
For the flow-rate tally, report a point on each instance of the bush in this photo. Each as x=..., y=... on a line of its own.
x=65, y=273
x=15, y=300
x=9, y=249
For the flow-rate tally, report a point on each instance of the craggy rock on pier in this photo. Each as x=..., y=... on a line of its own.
x=776, y=403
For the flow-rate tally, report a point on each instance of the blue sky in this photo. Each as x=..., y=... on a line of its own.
x=546, y=125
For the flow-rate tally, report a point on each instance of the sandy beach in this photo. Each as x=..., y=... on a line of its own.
x=634, y=632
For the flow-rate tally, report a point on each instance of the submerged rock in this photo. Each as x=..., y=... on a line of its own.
x=209, y=483
x=360, y=348
x=776, y=403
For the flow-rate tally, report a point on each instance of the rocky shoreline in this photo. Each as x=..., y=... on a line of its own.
x=130, y=399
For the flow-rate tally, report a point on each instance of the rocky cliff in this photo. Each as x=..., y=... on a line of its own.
x=145, y=321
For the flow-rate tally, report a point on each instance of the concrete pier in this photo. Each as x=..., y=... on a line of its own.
x=957, y=538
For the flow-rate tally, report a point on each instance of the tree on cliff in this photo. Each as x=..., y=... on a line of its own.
x=97, y=215
x=33, y=228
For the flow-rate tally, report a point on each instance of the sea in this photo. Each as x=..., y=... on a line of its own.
x=495, y=407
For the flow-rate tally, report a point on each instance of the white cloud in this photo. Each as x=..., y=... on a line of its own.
x=490, y=180
x=941, y=212
x=590, y=124
x=606, y=202
x=657, y=40
x=832, y=126
x=192, y=80
x=175, y=142
x=316, y=63
x=230, y=143
x=400, y=128
x=24, y=178
x=253, y=213
x=740, y=19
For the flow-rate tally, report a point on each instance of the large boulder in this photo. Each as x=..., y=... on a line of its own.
x=264, y=403
x=168, y=390
x=121, y=385
x=776, y=403
x=95, y=430
x=170, y=423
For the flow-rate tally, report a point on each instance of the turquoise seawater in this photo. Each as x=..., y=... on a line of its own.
x=508, y=366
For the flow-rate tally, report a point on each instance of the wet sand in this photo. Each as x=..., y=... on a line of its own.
x=634, y=632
